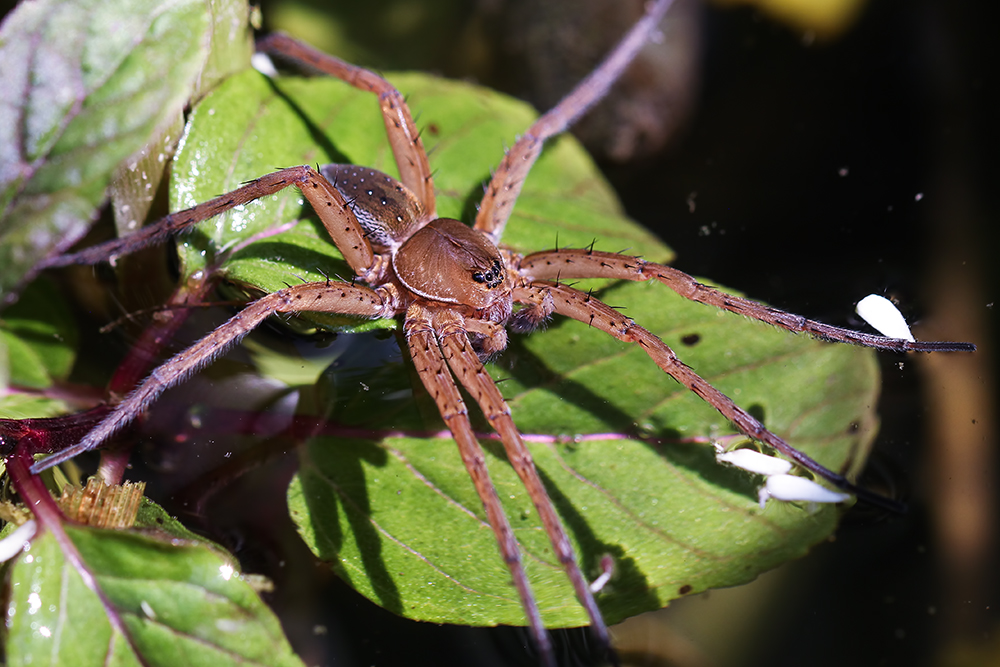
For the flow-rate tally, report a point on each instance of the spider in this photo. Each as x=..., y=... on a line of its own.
x=458, y=292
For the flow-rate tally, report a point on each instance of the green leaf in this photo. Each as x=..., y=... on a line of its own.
x=41, y=335
x=400, y=520
x=182, y=603
x=397, y=515
x=86, y=84
x=137, y=180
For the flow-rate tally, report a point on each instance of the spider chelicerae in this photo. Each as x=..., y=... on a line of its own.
x=458, y=292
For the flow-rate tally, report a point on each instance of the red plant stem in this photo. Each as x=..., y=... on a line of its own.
x=47, y=434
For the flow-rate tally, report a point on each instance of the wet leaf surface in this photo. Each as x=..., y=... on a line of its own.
x=87, y=84
x=401, y=521
x=264, y=125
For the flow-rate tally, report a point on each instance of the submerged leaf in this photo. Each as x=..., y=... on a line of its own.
x=41, y=335
x=38, y=346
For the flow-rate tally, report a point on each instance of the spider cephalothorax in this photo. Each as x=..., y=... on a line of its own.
x=434, y=261
x=447, y=262
x=458, y=291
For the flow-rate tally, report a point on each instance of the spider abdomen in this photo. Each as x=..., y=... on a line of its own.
x=387, y=210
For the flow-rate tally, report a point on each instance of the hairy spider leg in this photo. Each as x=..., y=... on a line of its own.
x=433, y=371
x=468, y=369
x=328, y=203
x=586, y=308
x=333, y=297
x=404, y=138
x=505, y=185
x=584, y=263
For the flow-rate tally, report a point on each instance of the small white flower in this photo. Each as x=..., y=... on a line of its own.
x=792, y=488
x=263, y=64
x=883, y=315
x=753, y=461
x=608, y=569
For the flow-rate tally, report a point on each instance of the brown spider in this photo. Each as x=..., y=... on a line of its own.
x=458, y=291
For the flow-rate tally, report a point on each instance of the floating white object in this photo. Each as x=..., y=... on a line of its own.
x=14, y=543
x=792, y=488
x=752, y=460
x=608, y=567
x=883, y=315
x=599, y=583
x=263, y=64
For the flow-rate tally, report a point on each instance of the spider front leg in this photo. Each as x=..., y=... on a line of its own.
x=588, y=309
x=439, y=339
x=331, y=297
x=585, y=263
x=404, y=138
x=433, y=371
x=329, y=204
x=469, y=370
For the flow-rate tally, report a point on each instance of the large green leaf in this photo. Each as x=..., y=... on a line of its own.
x=182, y=602
x=396, y=513
x=401, y=520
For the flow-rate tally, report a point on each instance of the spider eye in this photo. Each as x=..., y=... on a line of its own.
x=491, y=278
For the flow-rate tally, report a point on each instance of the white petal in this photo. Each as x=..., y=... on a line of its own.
x=263, y=64
x=12, y=545
x=754, y=461
x=883, y=315
x=607, y=569
x=599, y=583
x=792, y=488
